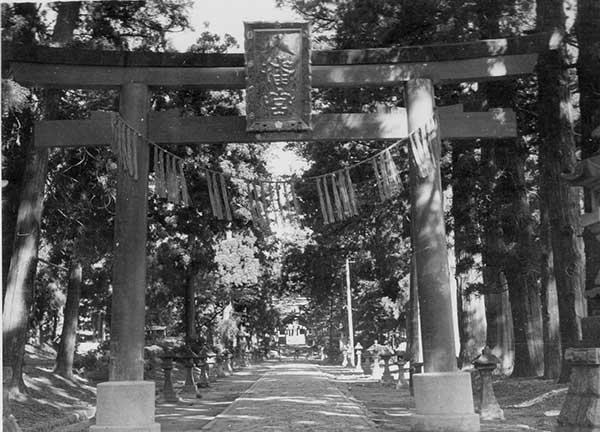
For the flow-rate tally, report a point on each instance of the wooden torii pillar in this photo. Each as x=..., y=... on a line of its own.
x=126, y=403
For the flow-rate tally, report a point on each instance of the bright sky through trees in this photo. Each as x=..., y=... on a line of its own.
x=228, y=16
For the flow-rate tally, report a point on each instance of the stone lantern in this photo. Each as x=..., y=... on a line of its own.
x=229, y=363
x=386, y=354
x=187, y=359
x=485, y=364
x=203, y=364
x=167, y=366
x=358, y=348
x=401, y=363
x=375, y=352
x=211, y=361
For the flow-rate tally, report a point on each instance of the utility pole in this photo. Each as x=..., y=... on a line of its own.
x=349, y=308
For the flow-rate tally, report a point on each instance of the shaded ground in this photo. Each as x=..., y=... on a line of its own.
x=192, y=414
x=390, y=407
x=53, y=403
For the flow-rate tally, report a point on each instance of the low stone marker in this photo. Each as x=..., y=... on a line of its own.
x=581, y=409
x=167, y=366
x=386, y=376
x=485, y=364
x=358, y=350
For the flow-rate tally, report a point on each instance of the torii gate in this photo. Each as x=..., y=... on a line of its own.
x=126, y=402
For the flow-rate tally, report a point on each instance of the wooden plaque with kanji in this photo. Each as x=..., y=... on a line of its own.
x=277, y=77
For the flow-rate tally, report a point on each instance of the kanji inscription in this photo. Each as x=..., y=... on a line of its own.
x=278, y=77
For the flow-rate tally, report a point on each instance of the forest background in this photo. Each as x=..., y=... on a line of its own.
x=518, y=247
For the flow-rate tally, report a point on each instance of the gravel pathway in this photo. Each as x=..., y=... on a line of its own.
x=293, y=397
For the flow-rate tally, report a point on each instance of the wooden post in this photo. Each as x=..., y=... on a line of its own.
x=129, y=262
x=433, y=277
x=350, y=322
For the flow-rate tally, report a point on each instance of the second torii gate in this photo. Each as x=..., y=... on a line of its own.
x=126, y=402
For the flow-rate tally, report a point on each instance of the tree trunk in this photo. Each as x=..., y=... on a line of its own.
x=21, y=273
x=501, y=329
x=13, y=191
x=588, y=65
x=557, y=155
x=68, y=338
x=22, y=269
x=517, y=259
x=506, y=327
x=471, y=307
x=190, y=308
x=552, y=353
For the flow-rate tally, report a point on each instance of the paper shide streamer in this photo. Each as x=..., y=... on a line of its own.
x=277, y=201
x=169, y=178
x=386, y=175
x=272, y=201
x=125, y=144
x=425, y=147
x=218, y=195
x=336, y=196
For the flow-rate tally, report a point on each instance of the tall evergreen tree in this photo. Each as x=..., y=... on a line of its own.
x=557, y=155
x=588, y=67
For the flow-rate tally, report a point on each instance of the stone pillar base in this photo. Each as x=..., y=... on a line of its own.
x=125, y=406
x=444, y=403
x=445, y=423
x=581, y=410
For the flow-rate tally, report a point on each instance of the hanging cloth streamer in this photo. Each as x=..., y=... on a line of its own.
x=425, y=147
x=322, y=202
x=392, y=172
x=256, y=205
x=336, y=198
x=217, y=195
x=277, y=200
x=159, y=173
x=172, y=187
x=341, y=182
x=434, y=138
x=380, y=189
x=328, y=204
x=185, y=197
x=211, y=193
x=225, y=198
x=351, y=195
x=125, y=142
x=385, y=181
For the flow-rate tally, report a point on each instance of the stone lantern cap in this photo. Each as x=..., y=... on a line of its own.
x=486, y=359
x=385, y=351
x=206, y=352
x=583, y=356
x=358, y=346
